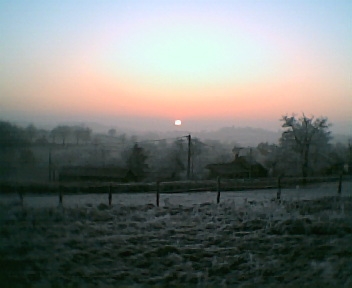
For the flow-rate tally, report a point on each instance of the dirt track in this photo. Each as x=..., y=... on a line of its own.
x=265, y=244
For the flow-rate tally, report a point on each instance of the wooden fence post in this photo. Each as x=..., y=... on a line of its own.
x=339, y=189
x=110, y=195
x=157, y=193
x=218, y=188
x=60, y=195
x=278, y=194
x=20, y=194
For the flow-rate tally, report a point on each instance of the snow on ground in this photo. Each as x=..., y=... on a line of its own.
x=242, y=243
x=185, y=199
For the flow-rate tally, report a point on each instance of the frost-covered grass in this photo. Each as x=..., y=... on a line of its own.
x=252, y=243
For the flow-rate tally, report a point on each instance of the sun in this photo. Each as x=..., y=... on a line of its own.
x=178, y=122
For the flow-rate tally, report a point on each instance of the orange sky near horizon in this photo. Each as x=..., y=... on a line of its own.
x=177, y=61
x=93, y=94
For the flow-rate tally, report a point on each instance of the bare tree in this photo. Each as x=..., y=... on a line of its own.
x=136, y=161
x=31, y=132
x=62, y=132
x=268, y=155
x=81, y=133
x=301, y=134
x=112, y=132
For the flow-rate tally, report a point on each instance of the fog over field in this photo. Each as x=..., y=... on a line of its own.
x=211, y=128
x=170, y=143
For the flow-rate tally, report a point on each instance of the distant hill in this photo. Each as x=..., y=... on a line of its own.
x=341, y=138
x=244, y=136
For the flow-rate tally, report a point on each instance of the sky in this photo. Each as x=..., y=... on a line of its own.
x=143, y=64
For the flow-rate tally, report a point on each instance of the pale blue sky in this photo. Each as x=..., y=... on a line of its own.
x=188, y=59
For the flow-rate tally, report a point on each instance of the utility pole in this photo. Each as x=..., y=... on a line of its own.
x=189, y=157
x=350, y=156
x=50, y=166
x=250, y=163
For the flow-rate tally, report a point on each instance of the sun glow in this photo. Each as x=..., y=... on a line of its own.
x=178, y=122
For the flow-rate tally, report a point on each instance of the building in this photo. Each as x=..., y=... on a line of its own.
x=239, y=168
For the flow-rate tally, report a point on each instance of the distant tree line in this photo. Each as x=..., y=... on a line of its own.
x=304, y=149
x=77, y=134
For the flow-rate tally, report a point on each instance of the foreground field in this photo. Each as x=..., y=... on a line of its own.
x=265, y=244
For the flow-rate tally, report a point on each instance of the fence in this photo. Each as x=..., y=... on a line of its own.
x=168, y=187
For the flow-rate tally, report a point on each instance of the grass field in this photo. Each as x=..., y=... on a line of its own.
x=249, y=243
